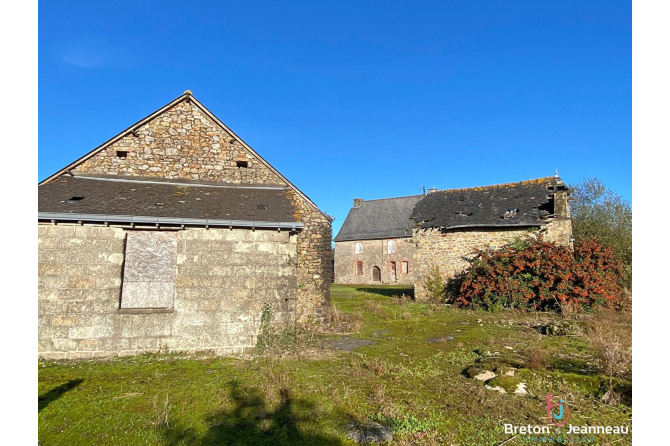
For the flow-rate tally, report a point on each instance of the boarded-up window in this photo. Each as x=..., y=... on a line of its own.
x=149, y=270
x=391, y=246
x=405, y=267
x=359, y=248
x=359, y=268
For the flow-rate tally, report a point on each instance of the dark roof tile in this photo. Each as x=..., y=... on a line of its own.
x=147, y=197
x=376, y=219
x=526, y=203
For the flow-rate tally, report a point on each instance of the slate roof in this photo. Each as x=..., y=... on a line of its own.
x=377, y=219
x=526, y=203
x=152, y=198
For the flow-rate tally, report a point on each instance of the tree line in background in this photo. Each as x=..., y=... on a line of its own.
x=599, y=213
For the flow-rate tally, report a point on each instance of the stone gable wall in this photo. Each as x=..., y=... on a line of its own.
x=448, y=249
x=182, y=142
x=375, y=253
x=224, y=278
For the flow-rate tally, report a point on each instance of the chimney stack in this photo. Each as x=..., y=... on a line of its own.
x=358, y=202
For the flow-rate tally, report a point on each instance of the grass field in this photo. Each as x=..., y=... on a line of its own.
x=410, y=379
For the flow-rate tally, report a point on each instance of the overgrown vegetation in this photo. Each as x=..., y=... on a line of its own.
x=410, y=379
x=273, y=337
x=533, y=274
x=612, y=341
x=599, y=213
x=434, y=285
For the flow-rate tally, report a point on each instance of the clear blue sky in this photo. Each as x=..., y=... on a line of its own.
x=355, y=99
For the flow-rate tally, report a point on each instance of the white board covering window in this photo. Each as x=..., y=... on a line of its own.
x=359, y=248
x=391, y=246
x=149, y=270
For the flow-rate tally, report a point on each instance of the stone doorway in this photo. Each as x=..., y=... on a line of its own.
x=376, y=274
x=394, y=276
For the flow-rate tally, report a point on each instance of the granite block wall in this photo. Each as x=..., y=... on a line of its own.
x=223, y=280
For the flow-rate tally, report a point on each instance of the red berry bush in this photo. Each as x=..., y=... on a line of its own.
x=538, y=275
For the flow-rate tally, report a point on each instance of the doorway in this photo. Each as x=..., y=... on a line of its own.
x=376, y=274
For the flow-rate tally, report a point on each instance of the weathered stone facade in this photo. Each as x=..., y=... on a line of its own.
x=224, y=276
x=449, y=249
x=182, y=142
x=374, y=253
x=314, y=266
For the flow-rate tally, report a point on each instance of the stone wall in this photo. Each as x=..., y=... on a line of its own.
x=314, y=254
x=224, y=278
x=448, y=249
x=183, y=142
x=375, y=253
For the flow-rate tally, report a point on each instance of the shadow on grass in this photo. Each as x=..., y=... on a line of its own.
x=251, y=422
x=55, y=393
x=388, y=292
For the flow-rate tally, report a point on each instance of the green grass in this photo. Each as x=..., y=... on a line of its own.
x=415, y=387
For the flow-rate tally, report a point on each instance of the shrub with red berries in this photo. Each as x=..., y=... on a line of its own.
x=538, y=275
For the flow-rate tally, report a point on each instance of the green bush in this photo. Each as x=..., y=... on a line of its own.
x=434, y=285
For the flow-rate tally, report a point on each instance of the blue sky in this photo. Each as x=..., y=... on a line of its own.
x=355, y=99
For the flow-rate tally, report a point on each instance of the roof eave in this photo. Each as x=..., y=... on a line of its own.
x=172, y=221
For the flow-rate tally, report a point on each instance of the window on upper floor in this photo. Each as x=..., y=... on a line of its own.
x=391, y=246
x=359, y=248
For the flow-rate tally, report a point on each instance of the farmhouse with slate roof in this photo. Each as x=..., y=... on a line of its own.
x=373, y=245
x=175, y=235
x=444, y=227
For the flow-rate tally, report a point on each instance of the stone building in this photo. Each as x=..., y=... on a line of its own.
x=175, y=235
x=398, y=240
x=449, y=225
x=374, y=244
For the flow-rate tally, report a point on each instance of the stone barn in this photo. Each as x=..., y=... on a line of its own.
x=374, y=245
x=175, y=235
x=449, y=225
x=397, y=240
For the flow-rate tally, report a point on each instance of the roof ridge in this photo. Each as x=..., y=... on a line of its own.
x=515, y=183
x=191, y=183
x=392, y=198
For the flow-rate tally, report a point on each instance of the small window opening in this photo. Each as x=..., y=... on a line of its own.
x=74, y=199
x=359, y=268
x=243, y=164
x=262, y=207
x=121, y=153
x=359, y=248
